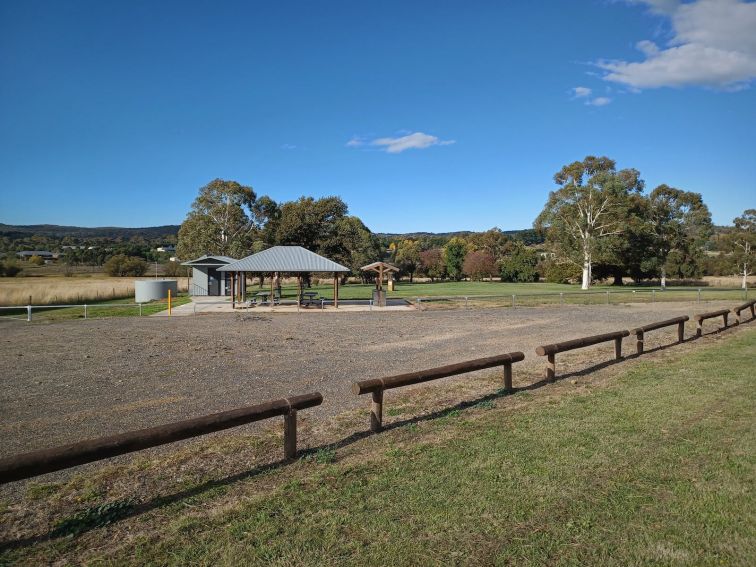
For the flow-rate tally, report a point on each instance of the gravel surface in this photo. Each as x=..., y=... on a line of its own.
x=68, y=381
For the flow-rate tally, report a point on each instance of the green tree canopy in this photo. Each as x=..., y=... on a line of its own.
x=588, y=207
x=221, y=221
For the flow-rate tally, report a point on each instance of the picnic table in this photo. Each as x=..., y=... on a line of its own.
x=263, y=296
x=308, y=297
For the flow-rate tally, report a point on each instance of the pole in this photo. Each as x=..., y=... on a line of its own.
x=85, y=310
x=169, y=302
x=28, y=313
x=513, y=301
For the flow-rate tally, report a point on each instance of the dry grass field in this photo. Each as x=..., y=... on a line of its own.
x=51, y=290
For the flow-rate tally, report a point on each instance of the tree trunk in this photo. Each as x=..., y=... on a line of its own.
x=586, y=267
x=745, y=276
x=664, y=277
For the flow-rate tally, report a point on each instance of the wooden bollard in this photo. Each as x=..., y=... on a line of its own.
x=290, y=434
x=508, y=377
x=639, y=341
x=681, y=331
x=376, y=411
x=699, y=327
x=617, y=349
x=551, y=368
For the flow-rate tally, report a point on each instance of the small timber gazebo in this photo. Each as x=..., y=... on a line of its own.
x=379, y=297
x=281, y=260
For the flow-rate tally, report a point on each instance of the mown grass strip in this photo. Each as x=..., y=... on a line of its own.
x=656, y=468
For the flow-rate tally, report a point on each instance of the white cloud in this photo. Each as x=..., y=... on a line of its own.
x=581, y=92
x=416, y=140
x=288, y=147
x=598, y=101
x=713, y=44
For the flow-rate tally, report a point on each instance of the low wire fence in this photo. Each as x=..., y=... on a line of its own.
x=598, y=297
x=79, y=311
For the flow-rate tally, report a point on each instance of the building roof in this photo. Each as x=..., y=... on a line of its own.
x=376, y=266
x=208, y=260
x=284, y=259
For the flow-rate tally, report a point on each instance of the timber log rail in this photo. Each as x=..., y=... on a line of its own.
x=701, y=317
x=747, y=305
x=32, y=464
x=550, y=351
x=639, y=332
x=376, y=386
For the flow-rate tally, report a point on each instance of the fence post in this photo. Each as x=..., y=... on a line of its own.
x=376, y=411
x=290, y=434
x=551, y=368
x=28, y=313
x=618, y=349
x=465, y=302
x=140, y=309
x=561, y=298
x=680, y=331
x=513, y=301
x=607, y=297
x=699, y=295
x=508, y=377
x=653, y=296
x=85, y=310
x=639, y=341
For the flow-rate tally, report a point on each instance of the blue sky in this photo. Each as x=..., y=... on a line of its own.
x=422, y=116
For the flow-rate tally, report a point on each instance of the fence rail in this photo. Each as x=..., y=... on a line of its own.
x=701, y=317
x=747, y=305
x=591, y=296
x=376, y=386
x=640, y=331
x=36, y=463
x=550, y=351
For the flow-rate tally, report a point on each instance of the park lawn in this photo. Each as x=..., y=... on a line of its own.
x=500, y=293
x=654, y=467
x=110, y=308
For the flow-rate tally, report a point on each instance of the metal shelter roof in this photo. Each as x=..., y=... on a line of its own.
x=209, y=260
x=284, y=259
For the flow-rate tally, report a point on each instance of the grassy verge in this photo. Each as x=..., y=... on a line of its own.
x=110, y=308
x=656, y=466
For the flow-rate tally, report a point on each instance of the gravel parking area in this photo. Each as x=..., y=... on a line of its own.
x=68, y=381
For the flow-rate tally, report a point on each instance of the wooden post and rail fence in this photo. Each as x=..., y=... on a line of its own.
x=641, y=331
x=377, y=386
x=550, y=351
x=45, y=461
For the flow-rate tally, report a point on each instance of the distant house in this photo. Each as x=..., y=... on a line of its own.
x=44, y=254
x=167, y=248
x=206, y=279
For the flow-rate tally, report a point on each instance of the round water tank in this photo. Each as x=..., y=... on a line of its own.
x=149, y=290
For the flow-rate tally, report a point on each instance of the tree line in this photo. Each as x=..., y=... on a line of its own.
x=600, y=223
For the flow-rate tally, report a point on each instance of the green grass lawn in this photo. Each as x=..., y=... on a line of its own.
x=528, y=293
x=109, y=308
x=656, y=467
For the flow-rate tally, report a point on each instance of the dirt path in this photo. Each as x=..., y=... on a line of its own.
x=68, y=381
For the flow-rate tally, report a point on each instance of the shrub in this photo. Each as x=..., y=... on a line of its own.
x=556, y=272
x=9, y=269
x=520, y=265
x=37, y=260
x=122, y=265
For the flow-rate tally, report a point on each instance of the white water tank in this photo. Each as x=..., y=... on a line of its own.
x=150, y=290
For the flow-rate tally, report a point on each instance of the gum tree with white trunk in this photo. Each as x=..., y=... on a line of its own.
x=589, y=206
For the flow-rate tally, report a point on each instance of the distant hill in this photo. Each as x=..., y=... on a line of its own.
x=418, y=235
x=108, y=232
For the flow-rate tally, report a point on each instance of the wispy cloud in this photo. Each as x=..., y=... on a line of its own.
x=581, y=92
x=410, y=141
x=288, y=147
x=713, y=44
x=598, y=101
